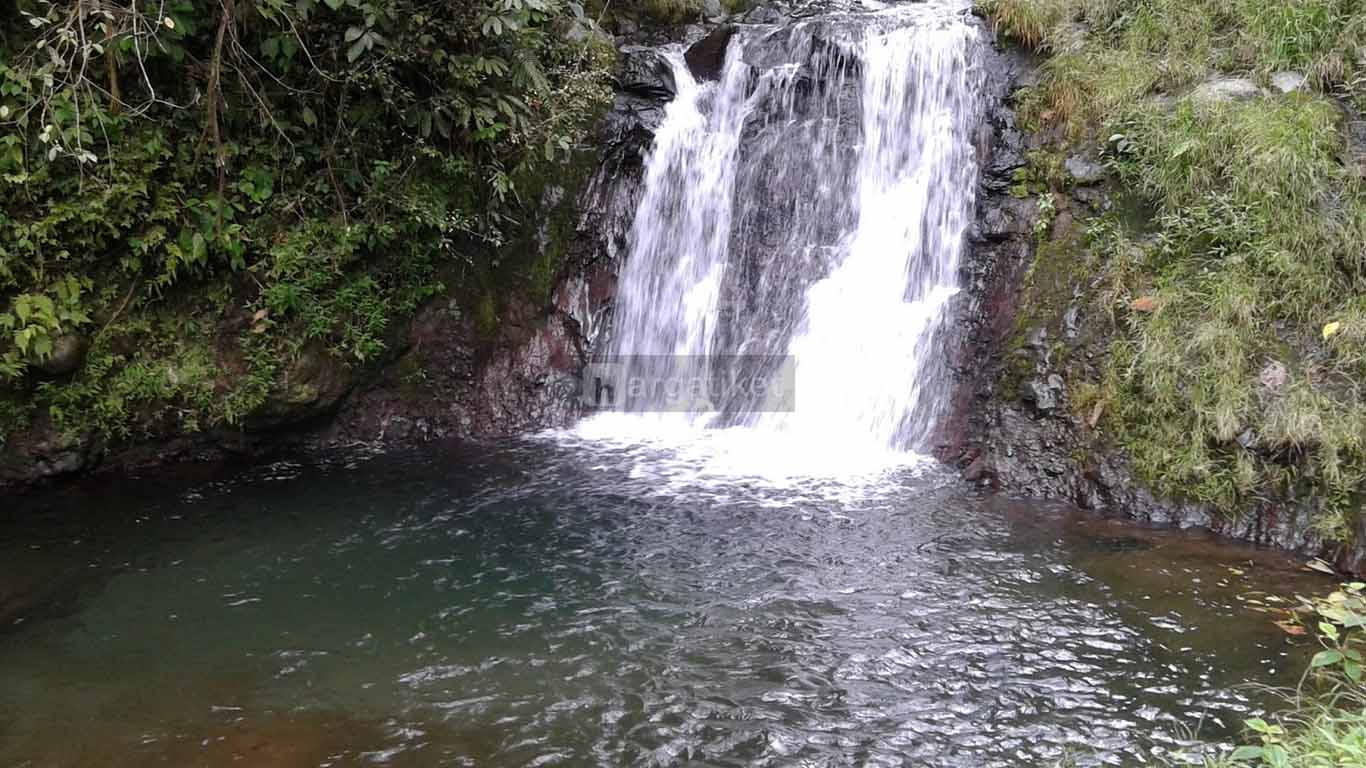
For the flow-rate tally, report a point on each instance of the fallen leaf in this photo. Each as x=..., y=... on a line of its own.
x=259, y=328
x=1320, y=566
x=1289, y=628
x=1330, y=330
x=260, y=315
x=1143, y=304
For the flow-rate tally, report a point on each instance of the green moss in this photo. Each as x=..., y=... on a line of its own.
x=140, y=377
x=670, y=12
x=1048, y=289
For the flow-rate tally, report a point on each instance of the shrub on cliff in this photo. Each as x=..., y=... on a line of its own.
x=211, y=184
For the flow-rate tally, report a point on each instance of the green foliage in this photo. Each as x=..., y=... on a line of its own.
x=308, y=170
x=1220, y=384
x=671, y=11
x=1326, y=725
x=35, y=321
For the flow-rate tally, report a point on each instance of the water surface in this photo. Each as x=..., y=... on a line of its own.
x=552, y=604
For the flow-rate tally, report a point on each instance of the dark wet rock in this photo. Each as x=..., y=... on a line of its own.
x=312, y=385
x=1004, y=218
x=68, y=352
x=40, y=452
x=978, y=469
x=645, y=72
x=707, y=57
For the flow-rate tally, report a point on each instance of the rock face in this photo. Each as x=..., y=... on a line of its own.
x=1013, y=426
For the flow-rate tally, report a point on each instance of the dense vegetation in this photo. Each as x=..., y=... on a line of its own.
x=1237, y=369
x=194, y=191
x=1325, y=725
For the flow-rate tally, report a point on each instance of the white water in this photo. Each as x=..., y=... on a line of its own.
x=813, y=203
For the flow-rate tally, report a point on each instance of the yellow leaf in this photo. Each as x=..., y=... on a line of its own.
x=1331, y=329
x=1289, y=628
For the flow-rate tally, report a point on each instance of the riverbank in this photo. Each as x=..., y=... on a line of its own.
x=1187, y=186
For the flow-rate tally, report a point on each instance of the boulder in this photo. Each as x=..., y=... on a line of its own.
x=1084, y=171
x=1044, y=394
x=644, y=72
x=583, y=31
x=1289, y=82
x=1226, y=89
x=68, y=352
x=707, y=57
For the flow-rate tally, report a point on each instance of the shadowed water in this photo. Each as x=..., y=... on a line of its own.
x=546, y=604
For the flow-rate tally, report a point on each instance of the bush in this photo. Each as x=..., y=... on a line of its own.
x=306, y=169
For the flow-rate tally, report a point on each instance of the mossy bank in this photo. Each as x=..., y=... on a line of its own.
x=1184, y=187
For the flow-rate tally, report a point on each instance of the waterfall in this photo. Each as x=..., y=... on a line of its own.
x=810, y=207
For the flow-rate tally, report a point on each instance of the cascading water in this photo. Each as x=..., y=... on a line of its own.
x=811, y=205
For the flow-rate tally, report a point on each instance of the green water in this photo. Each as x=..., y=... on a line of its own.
x=546, y=604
